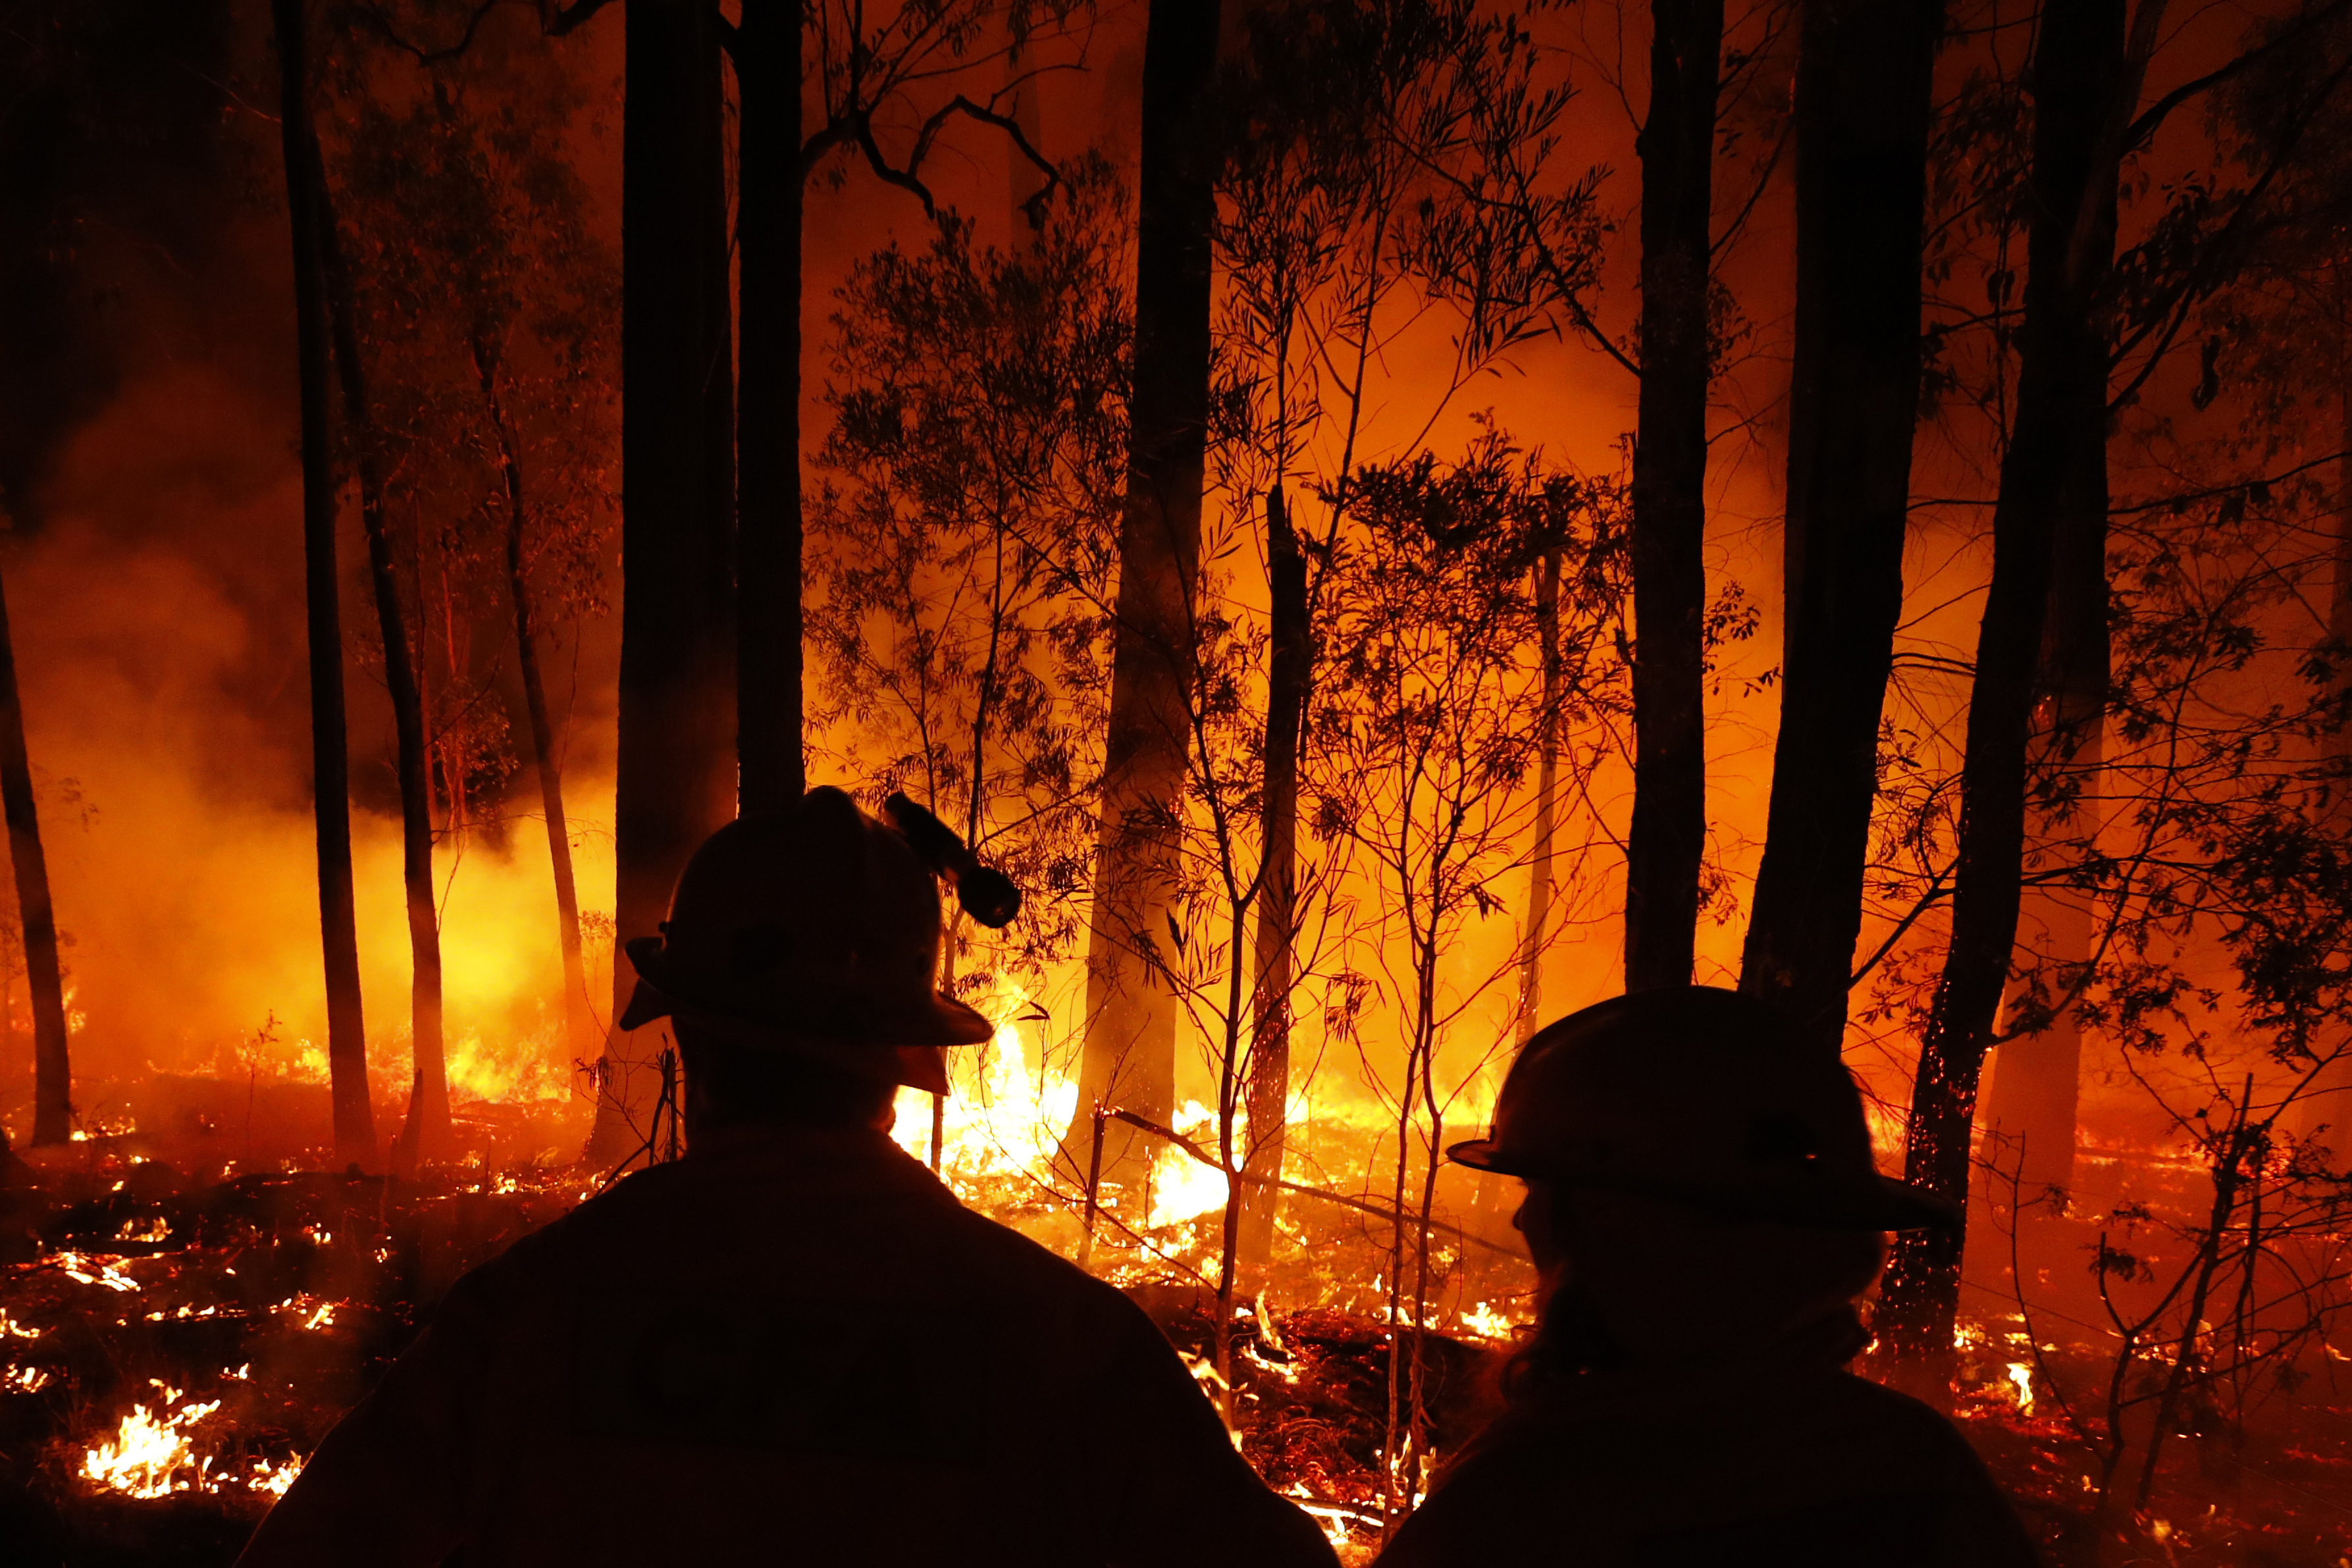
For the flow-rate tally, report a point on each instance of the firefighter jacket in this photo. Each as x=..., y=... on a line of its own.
x=1783, y=1457
x=792, y=1346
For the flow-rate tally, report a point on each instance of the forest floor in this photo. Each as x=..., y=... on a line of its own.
x=173, y=1345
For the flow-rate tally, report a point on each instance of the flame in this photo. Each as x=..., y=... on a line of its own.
x=2021, y=1378
x=1003, y=1119
x=1183, y=1188
x=150, y=1455
x=515, y=1072
x=11, y=1329
x=25, y=1379
x=275, y=1478
x=1485, y=1323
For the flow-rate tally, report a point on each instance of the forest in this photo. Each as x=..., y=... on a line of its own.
x=1390, y=521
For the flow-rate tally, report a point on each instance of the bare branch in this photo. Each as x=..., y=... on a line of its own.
x=568, y=18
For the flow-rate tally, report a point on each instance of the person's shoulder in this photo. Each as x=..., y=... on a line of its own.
x=1892, y=1417
x=1037, y=1271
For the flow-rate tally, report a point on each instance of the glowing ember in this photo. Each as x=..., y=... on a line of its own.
x=25, y=1379
x=156, y=1229
x=96, y=1271
x=10, y=1329
x=321, y=1314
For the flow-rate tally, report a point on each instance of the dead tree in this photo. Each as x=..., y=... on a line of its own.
x=1863, y=97
x=1290, y=661
x=330, y=750
x=1668, y=835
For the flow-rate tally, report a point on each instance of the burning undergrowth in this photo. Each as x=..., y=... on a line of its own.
x=175, y=1344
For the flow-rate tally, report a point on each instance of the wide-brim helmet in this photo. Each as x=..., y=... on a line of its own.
x=1704, y=1098
x=813, y=930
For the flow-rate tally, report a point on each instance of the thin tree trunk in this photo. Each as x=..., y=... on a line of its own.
x=578, y=1021
x=1668, y=837
x=330, y=749
x=1539, y=875
x=1130, y=1055
x=425, y=1133
x=766, y=450
x=2078, y=73
x=1289, y=667
x=52, y=1071
x=1863, y=97
x=676, y=773
x=2327, y=1104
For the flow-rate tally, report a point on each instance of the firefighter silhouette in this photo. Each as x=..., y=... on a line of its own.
x=793, y=1346
x=1703, y=1212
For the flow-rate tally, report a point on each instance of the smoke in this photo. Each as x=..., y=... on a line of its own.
x=159, y=631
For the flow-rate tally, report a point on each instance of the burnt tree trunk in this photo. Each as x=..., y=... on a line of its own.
x=578, y=1020
x=330, y=749
x=1862, y=96
x=767, y=452
x=677, y=769
x=1669, y=829
x=2062, y=374
x=52, y=1069
x=1289, y=667
x=427, y=1131
x=1129, y=1057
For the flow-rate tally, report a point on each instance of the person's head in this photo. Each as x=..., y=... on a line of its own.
x=1700, y=1177
x=799, y=965
x=733, y=1085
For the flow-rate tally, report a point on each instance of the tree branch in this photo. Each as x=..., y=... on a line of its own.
x=2148, y=123
x=565, y=19
x=423, y=56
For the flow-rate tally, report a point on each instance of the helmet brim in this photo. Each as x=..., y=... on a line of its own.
x=1884, y=1204
x=907, y=1053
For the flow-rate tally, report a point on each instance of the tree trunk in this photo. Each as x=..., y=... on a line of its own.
x=2062, y=374
x=677, y=763
x=766, y=450
x=330, y=750
x=1539, y=875
x=1669, y=830
x=1289, y=667
x=425, y=1133
x=2037, y=1076
x=52, y=1071
x=1129, y=1058
x=578, y=1021
x=1863, y=97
